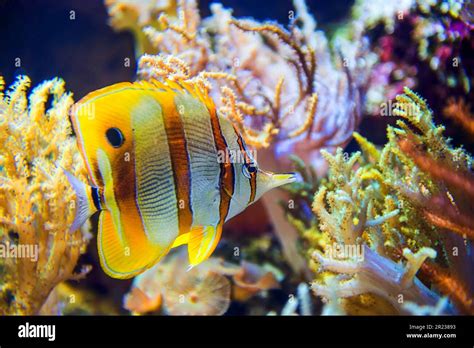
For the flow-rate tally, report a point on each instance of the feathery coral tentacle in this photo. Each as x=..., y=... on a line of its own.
x=36, y=201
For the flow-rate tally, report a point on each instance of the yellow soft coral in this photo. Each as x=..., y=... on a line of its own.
x=36, y=200
x=410, y=200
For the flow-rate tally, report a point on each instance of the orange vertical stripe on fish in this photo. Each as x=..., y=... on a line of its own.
x=179, y=161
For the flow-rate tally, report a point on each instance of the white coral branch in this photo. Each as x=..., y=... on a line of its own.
x=378, y=275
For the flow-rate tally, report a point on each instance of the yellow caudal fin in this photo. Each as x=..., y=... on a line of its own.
x=202, y=242
x=124, y=259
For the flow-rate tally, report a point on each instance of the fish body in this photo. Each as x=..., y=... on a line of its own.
x=159, y=158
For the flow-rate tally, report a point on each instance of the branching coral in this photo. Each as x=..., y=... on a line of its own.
x=445, y=197
x=349, y=221
x=376, y=275
x=36, y=200
x=134, y=15
x=442, y=210
x=459, y=111
x=410, y=200
x=242, y=58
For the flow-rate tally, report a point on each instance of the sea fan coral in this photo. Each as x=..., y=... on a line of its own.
x=242, y=56
x=36, y=201
x=409, y=200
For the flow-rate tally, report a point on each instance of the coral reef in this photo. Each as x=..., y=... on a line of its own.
x=385, y=230
x=36, y=201
x=410, y=200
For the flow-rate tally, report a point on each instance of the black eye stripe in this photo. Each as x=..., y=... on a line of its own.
x=96, y=197
x=114, y=137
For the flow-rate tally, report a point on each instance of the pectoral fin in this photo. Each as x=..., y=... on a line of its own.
x=84, y=202
x=202, y=242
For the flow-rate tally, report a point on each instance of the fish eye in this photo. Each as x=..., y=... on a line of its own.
x=251, y=167
x=248, y=169
x=114, y=137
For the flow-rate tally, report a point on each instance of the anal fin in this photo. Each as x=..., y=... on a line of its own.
x=182, y=239
x=202, y=242
x=125, y=258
